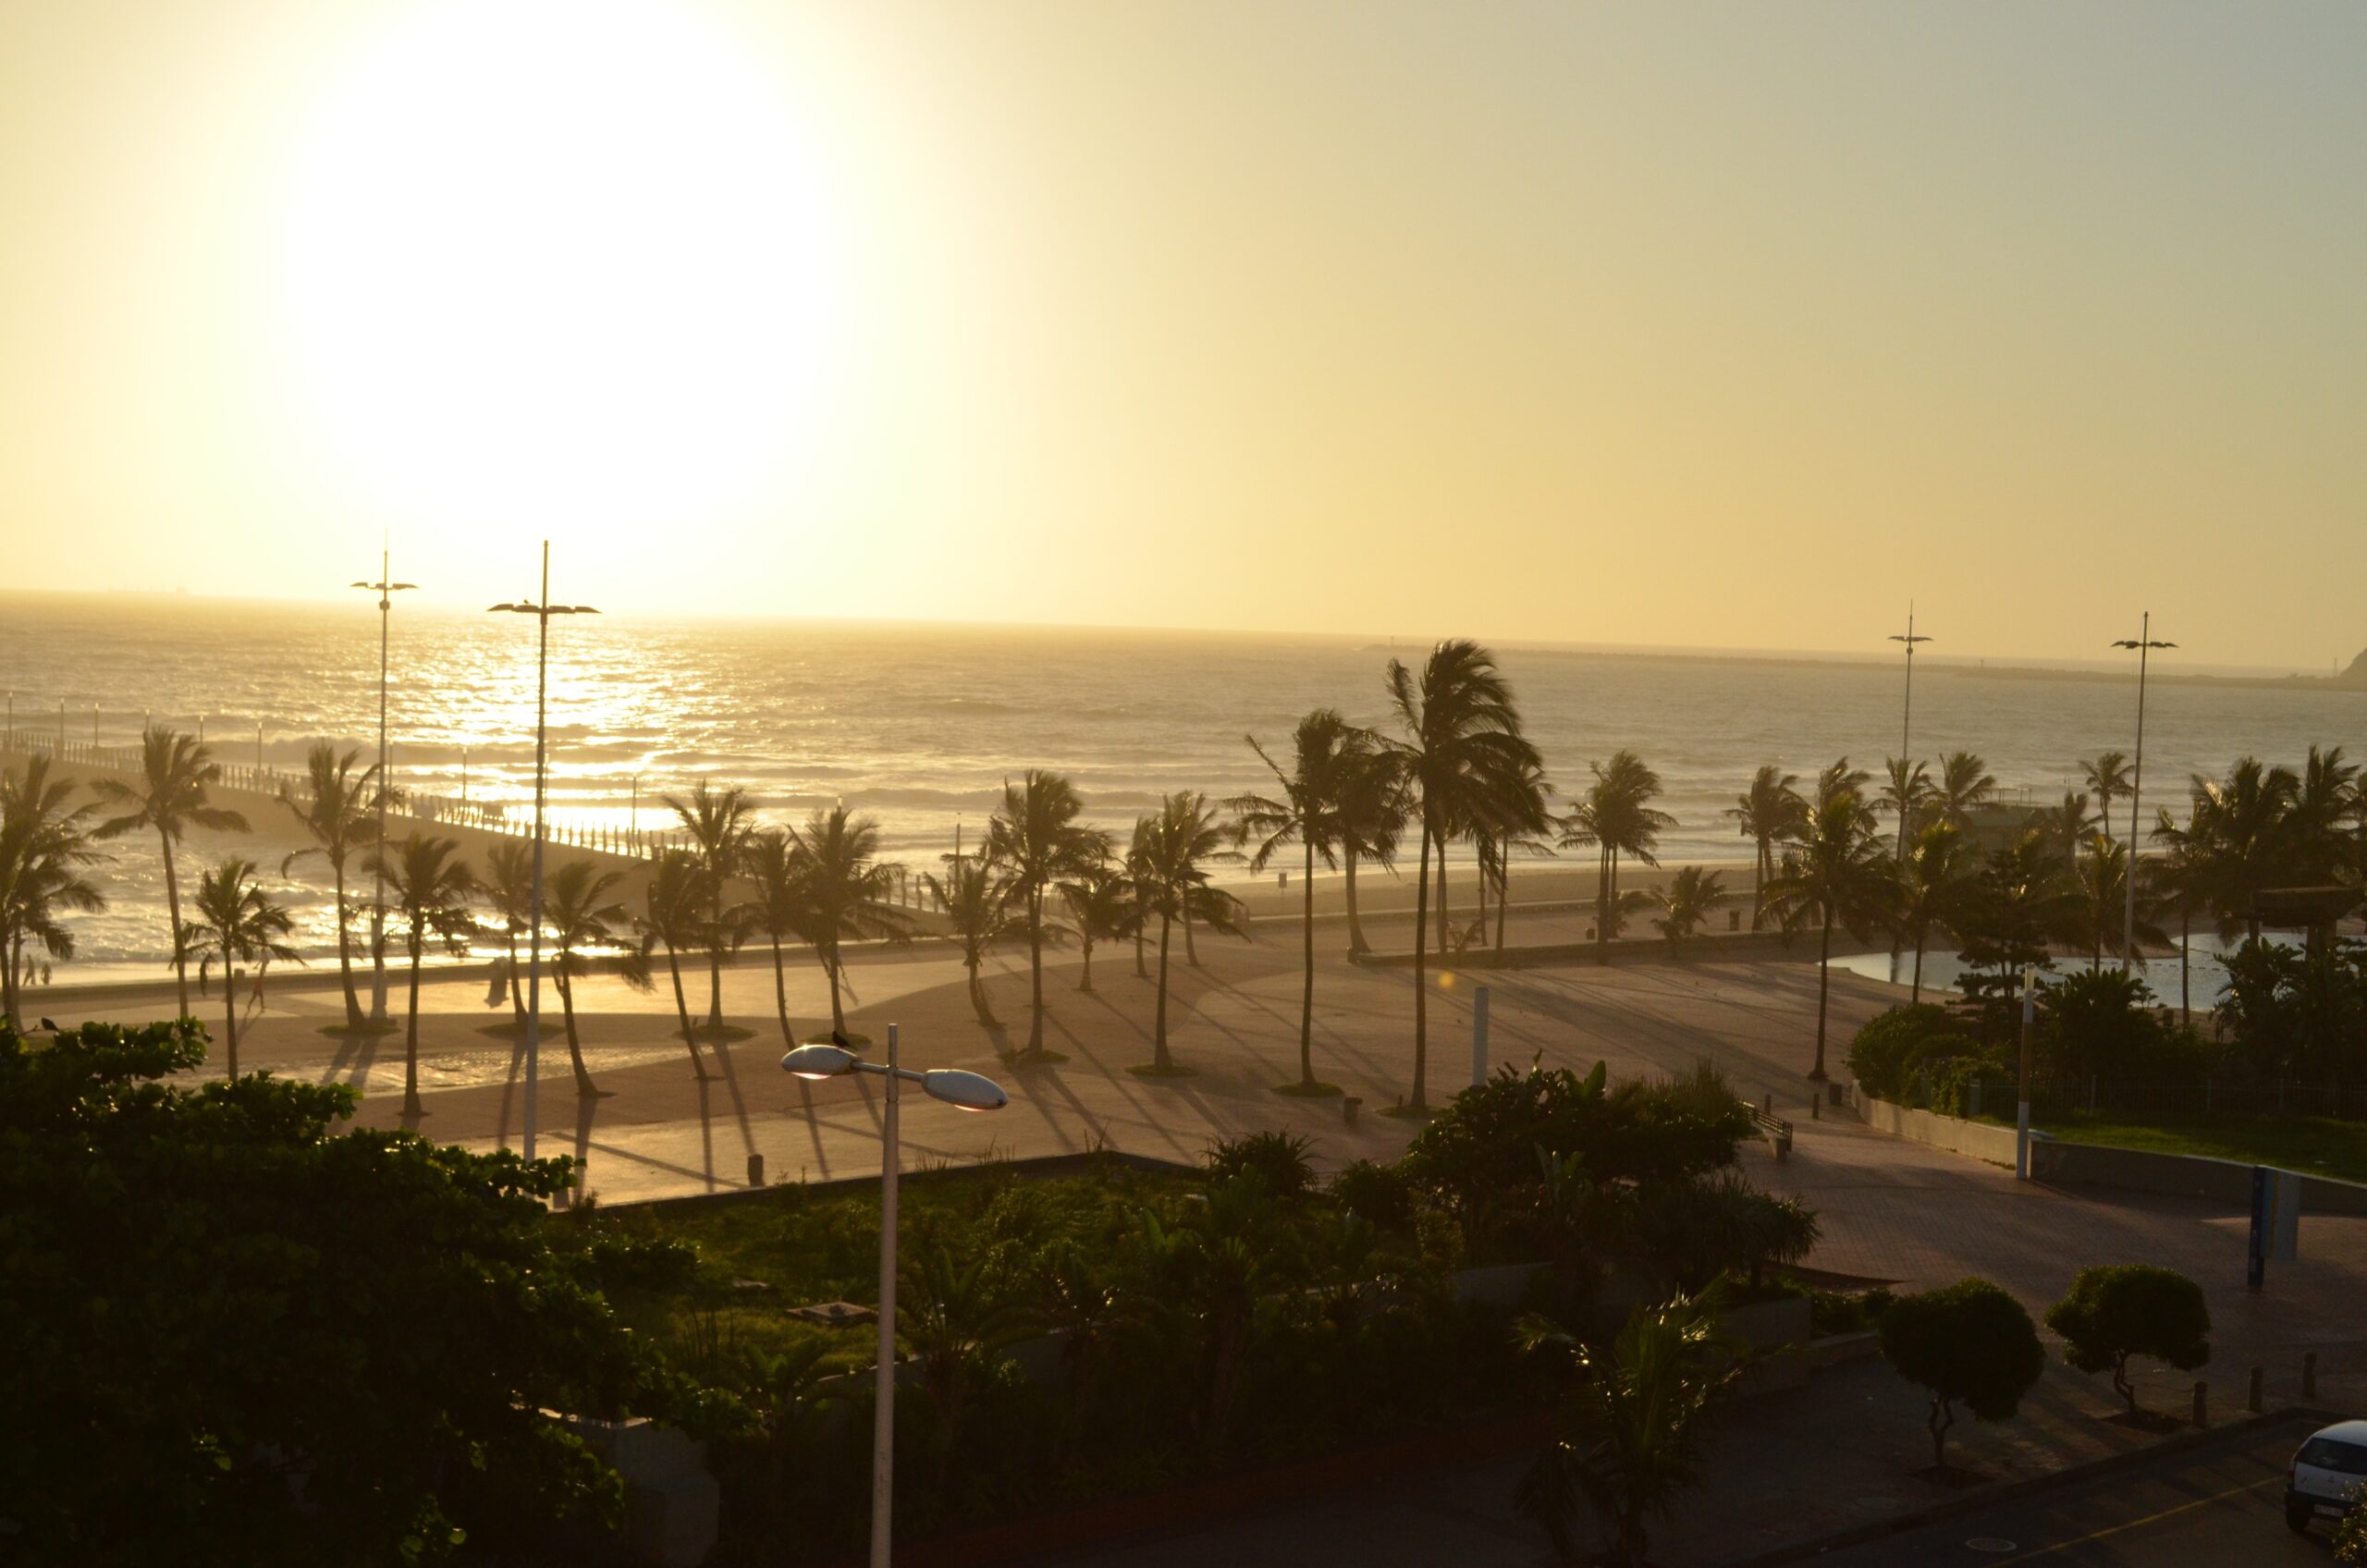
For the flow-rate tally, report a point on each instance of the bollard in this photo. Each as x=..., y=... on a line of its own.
x=755, y=1170
x=1816, y=1109
x=2310, y=1374
x=2251, y=1399
x=2202, y=1404
x=1349, y=1105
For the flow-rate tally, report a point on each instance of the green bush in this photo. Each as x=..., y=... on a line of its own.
x=2129, y=1309
x=2351, y=1537
x=1279, y=1159
x=1970, y=1342
x=2102, y=1024
x=1886, y=1050
x=1379, y=1194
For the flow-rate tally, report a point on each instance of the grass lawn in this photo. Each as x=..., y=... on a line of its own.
x=2315, y=1144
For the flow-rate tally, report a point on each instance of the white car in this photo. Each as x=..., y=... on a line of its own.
x=2327, y=1473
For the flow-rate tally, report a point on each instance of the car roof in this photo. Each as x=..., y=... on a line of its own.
x=2344, y=1431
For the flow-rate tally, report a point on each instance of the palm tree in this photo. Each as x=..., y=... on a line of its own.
x=1104, y=906
x=1907, y=793
x=1038, y=841
x=335, y=806
x=2179, y=878
x=1515, y=816
x=582, y=912
x=1765, y=813
x=782, y=908
x=849, y=892
x=1371, y=816
x=2067, y=825
x=432, y=891
x=1931, y=882
x=719, y=823
x=2324, y=796
x=2102, y=874
x=1616, y=816
x=1836, y=871
x=509, y=893
x=674, y=902
x=170, y=796
x=234, y=922
x=1839, y=775
x=2024, y=900
x=1686, y=901
x=1305, y=813
x=976, y=897
x=1462, y=731
x=2239, y=832
x=1178, y=844
x=1965, y=782
x=44, y=844
x=2107, y=776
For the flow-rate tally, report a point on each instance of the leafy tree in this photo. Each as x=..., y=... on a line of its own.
x=2102, y=1024
x=1688, y=899
x=583, y=911
x=671, y=903
x=1037, y=841
x=1888, y=1047
x=2020, y=903
x=1462, y=736
x=2119, y=1310
x=169, y=795
x=421, y=1326
x=2293, y=1012
x=719, y=823
x=1695, y=1230
x=236, y=923
x=1632, y=1423
x=1324, y=752
x=1765, y=813
x=336, y=807
x=849, y=892
x=44, y=848
x=976, y=898
x=1617, y=817
x=1838, y=874
x=1969, y=1342
x=1176, y=850
x=432, y=891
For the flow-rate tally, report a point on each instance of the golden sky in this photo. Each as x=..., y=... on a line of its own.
x=1707, y=326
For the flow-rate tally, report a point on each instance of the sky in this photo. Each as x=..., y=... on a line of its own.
x=1702, y=325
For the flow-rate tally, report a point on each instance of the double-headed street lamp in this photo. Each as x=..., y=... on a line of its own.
x=2145, y=644
x=542, y=611
x=1907, y=711
x=965, y=1091
x=385, y=588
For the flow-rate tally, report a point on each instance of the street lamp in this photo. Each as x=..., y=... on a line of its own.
x=1906, y=713
x=541, y=612
x=2145, y=644
x=386, y=589
x=965, y=1091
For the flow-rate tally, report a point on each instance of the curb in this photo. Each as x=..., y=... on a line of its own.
x=1984, y=1498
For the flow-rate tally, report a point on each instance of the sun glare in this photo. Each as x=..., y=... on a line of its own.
x=559, y=262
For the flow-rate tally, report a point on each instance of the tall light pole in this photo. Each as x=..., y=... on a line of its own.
x=385, y=588
x=2145, y=644
x=965, y=1091
x=542, y=611
x=1907, y=711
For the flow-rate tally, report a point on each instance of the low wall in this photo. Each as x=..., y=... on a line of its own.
x=1709, y=947
x=2227, y=1182
x=1978, y=1139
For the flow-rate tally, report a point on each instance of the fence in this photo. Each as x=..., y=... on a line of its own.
x=2155, y=1101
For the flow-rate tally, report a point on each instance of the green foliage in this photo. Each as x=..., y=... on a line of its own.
x=1379, y=1194
x=2121, y=1310
x=269, y=1337
x=2350, y=1542
x=1276, y=1158
x=1694, y=1230
x=1887, y=1048
x=2102, y=1024
x=2291, y=1014
x=1970, y=1343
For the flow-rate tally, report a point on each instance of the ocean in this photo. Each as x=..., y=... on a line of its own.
x=920, y=725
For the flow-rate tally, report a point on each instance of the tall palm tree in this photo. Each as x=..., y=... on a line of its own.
x=1837, y=872
x=1765, y=813
x=1372, y=815
x=2024, y=900
x=2067, y=825
x=1515, y=816
x=46, y=844
x=2179, y=878
x=1462, y=731
x=976, y=897
x=1038, y=841
x=509, y=893
x=1931, y=883
x=1178, y=846
x=1839, y=775
x=1686, y=902
x=2107, y=778
x=2325, y=796
x=1104, y=906
x=236, y=923
x=169, y=796
x=581, y=908
x=1907, y=793
x=674, y=905
x=431, y=889
x=780, y=909
x=719, y=823
x=2102, y=871
x=1965, y=782
x=849, y=892
x=1616, y=816
x=335, y=806
x=1305, y=813
x=2240, y=832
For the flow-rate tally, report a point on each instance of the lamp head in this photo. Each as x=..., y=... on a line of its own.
x=966, y=1091
x=817, y=1061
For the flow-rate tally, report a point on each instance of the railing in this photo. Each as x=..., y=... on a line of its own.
x=2158, y=1101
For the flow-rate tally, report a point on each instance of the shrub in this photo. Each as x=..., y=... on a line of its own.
x=1884, y=1053
x=2133, y=1309
x=2351, y=1537
x=1968, y=1341
x=2101, y=1023
x=1696, y=1231
x=1379, y=1194
x=1276, y=1158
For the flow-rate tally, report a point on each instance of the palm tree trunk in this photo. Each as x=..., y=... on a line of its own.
x=1421, y=1100
x=1442, y=875
x=1823, y=990
x=838, y=1012
x=1482, y=895
x=1307, y=995
x=172, y=908
x=715, y=965
x=1915, y=993
x=1191, y=947
x=1602, y=905
x=1036, y=973
x=2185, y=935
x=517, y=994
x=1503, y=893
x=1160, y=1059
x=230, y=1011
x=978, y=997
x=682, y=1010
x=1086, y=982
x=781, y=993
x=1758, y=883
x=411, y=1036
x=344, y=949
x=583, y=1085
x=1142, y=925
x=1356, y=943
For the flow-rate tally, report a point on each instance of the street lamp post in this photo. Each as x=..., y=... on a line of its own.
x=965, y=1091
x=2022, y=1110
x=542, y=611
x=386, y=589
x=1907, y=710
x=2145, y=644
